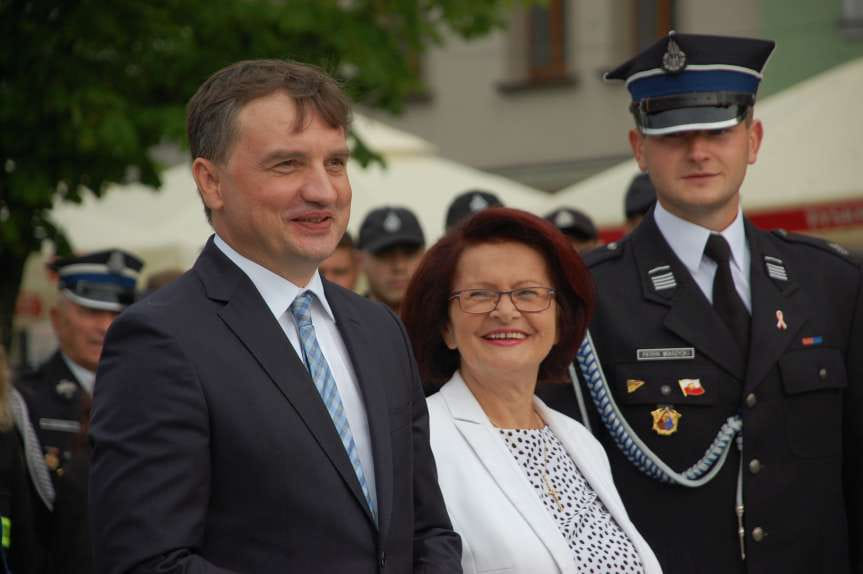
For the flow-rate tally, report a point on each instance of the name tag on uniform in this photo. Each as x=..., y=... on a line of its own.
x=678, y=354
x=62, y=425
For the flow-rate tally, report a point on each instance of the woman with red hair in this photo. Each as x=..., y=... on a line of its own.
x=498, y=304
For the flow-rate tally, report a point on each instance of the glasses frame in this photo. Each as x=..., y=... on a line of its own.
x=552, y=294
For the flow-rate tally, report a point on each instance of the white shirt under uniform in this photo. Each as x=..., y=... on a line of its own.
x=687, y=240
x=279, y=293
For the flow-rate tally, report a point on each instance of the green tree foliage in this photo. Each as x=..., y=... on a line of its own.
x=87, y=88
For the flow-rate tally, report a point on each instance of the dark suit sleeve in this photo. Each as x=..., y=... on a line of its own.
x=853, y=434
x=437, y=548
x=150, y=475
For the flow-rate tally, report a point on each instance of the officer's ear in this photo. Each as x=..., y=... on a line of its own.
x=755, y=134
x=208, y=180
x=636, y=142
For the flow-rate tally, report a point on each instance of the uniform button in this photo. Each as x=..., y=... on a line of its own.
x=383, y=559
x=754, y=466
x=758, y=534
x=751, y=400
x=822, y=374
x=665, y=390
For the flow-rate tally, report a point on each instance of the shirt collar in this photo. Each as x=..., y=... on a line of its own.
x=687, y=239
x=278, y=292
x=84, y=376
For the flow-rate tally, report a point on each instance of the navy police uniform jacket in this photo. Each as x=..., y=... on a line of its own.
x=799, y=396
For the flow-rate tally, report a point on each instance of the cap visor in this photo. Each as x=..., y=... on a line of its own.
x=393, y=240
x=691, y=119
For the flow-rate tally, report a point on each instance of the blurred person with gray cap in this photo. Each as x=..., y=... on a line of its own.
x=640, y=197
x=467, y=203
x=723, y=370
x=392, y=244
x=93, y=290
x=577, y=226
x=343, y=266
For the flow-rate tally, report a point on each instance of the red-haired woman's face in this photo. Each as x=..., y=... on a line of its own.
x=504, y=342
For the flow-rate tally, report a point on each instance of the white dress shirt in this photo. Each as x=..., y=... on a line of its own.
x=278, y=293
x=687, y=240
x=85, y=377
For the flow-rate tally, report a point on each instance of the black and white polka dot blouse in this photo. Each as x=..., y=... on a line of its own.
x=597, y=542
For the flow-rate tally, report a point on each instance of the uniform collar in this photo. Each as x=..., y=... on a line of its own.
x=84, y=376
x=278, y=293
x=687, y=239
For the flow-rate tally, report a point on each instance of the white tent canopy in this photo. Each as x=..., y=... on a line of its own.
x=813, y=144
x=167, y=227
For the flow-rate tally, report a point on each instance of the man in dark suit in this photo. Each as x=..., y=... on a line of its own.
x=251, y=417
x=730, y=405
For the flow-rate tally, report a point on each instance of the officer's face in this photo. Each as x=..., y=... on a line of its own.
x=389, y=271
x=341, y=267
x=505, y=344
x=698, y=174
x=282, y=197
x=81, y=331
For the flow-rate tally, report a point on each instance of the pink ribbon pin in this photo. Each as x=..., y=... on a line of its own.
x=780, y=321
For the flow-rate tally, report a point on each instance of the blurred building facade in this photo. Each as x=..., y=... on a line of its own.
x=528, y=102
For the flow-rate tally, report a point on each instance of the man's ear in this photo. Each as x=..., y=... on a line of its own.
x=636, y=142
x=208, y=179
x=755, y=132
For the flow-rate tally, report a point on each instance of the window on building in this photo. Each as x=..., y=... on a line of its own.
x=546, y=37
x=653, y=20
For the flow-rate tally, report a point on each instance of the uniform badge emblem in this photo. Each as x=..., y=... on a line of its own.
x=52, y=458
x=674, y=59
x=66, y=389
x=477, y=203
x=691, y=387
x=116, y=263
x=392, y=223
x=633, y=385
x=665, y=420
x=780, y=321
x=811, y=341
x=564, y=219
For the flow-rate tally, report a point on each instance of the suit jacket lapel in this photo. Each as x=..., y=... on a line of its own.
x=690, y=315
x=365, y=361
x=770, y=296
x=502, y=467
x=248, y=317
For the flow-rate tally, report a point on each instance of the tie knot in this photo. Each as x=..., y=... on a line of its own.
x=717, y=249
x=301, y=308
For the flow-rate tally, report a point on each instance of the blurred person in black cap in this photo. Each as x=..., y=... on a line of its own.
x=392, y=244
x=577, y=226
x=93, y=290
x=729, y=358
x=343, y=266
x=467, y=203
x=640, y=197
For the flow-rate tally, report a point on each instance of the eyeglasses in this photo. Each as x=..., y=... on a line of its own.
x=526, y=299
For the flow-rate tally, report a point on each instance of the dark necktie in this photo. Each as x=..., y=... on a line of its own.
x=726, y=300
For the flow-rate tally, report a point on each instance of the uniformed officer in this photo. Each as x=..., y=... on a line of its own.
x=93, y=289
x=467, y=203
x=730, y=368
x=391, y=244
x=577, y=226
x=640, y=197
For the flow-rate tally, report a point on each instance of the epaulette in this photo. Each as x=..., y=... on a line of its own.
x=608, y=252
x=821, y=244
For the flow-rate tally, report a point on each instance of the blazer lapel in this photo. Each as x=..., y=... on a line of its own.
x=247, y=316
x=502, y=467
x=778, y=313
x=365, y=361
x=667, y=281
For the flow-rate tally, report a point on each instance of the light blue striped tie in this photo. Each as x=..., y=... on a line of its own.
x=326, y=385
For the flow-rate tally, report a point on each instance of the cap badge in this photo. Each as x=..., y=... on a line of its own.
x=633, y=385
x=564, y=219
x=66, y=389
x=674, y=59
x=665, y=420
x=392, y=222
x=116, y=263
x=691, y=387
x=477, y=203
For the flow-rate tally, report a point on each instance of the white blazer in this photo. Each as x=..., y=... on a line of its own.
x=503, y=524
